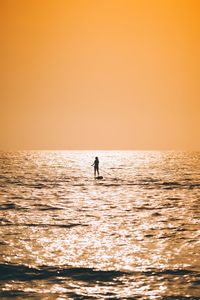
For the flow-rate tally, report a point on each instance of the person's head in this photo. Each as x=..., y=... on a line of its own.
x=96, y=158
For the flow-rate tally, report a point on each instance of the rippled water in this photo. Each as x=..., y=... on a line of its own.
x=133, y=235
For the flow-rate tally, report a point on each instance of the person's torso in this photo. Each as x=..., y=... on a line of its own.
x=96, y=163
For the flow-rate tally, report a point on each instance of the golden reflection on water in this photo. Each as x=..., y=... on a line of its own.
x=141, y=218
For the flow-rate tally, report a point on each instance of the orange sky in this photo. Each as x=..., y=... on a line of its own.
x=100, y=74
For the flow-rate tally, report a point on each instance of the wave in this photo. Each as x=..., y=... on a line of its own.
x=47, y=207
x=148, y=184
x=44, y=225
x=179, y=298
x=12, y=206
x=174, y=185
x=176, y=272
x=8, y=206
x=24, y=273
x=17, y=294
x=74, y=295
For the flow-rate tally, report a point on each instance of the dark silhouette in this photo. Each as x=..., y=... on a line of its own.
x=96, y=166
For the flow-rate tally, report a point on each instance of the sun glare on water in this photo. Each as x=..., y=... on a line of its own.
x=130, y=233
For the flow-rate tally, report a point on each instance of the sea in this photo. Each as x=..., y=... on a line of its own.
x=135, y=234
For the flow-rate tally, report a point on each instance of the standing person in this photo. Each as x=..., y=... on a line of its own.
x=96, y=166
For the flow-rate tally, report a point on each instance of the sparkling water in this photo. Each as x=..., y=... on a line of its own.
x=135, y=234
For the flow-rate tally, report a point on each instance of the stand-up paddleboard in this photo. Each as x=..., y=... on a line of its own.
x=99, y=177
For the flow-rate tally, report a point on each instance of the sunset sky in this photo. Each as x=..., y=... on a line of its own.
x=100, y=74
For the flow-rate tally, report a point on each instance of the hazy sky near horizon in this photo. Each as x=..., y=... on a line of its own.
x=103, y=74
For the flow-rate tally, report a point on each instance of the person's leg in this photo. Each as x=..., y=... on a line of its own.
x=98, y=170
x=94, y=171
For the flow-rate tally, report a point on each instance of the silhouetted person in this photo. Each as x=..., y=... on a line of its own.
x=96, y=166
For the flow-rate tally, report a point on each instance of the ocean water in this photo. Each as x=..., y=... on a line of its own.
x=133, y=235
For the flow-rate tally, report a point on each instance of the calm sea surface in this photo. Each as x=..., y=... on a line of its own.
x=133, y=235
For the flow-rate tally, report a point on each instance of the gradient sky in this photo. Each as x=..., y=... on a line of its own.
x=100, y=74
